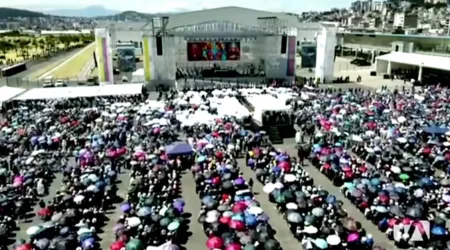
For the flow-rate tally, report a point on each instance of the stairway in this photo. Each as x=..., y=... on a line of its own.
x=274, y=135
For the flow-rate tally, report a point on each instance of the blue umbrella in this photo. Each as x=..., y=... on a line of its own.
x=438, y=230
x=321, y=243
x=435, y=130
x=250, y=220
x=375, y=181
x=331, y=199
x=207, y=199
x=179, y=148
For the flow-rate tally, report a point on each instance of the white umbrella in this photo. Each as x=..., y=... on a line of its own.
x=255, y=210
x=268, y=188
x=213, y=213
x=289, y=178
x=134, y=221
x=78, y=198
x=211, y=219
x=396, y=170
x=333, y=240
x=357, y=138
x=279, y=185
x=292, y=206
x=402, y=140
x=163, y=211
x=310, y=230
x=33, y=230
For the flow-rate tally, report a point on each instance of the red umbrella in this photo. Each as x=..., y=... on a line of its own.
x=237, y=225
x=219, y=155
x=215, y=134
x=225, y=220
x=286, y=166
x=44, y=212
x=214, y=242
x=26, y=246
x=233, y=246
x=239, y=207
x=118, y=245
x=216, y=180
x=392, y=222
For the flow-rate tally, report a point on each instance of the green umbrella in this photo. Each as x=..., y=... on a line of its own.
x=174, y=225
x=280, y=199
x=288, y=194
x=149, y=201
x=164, y=222
x=404, y=177
x=134, y=244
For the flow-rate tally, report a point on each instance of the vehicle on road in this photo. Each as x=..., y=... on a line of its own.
x=49, y=81
x=360, y=62
x=60, y=83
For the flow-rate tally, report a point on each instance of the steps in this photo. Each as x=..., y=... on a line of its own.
x=274, y=135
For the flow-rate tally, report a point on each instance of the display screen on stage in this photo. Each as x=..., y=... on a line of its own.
x=214, y=51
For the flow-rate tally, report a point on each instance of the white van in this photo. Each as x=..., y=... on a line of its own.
x=48, y=82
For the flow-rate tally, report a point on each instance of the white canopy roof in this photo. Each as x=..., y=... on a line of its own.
x=86, y=91
x=7, y=93
x=428, y=61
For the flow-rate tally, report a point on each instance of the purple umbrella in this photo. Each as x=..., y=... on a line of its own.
x=88, y=243
x=118, y=227
x=125, y=207
x=239, y=181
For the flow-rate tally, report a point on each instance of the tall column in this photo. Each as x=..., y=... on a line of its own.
x=372, y=56
x=147, y=48
x=104, y=56
x=326, y=44
x=389, y=68
x=419, y=77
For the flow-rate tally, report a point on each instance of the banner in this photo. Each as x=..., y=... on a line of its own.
x=104, y=59
x=147, y=66
x=291, y=56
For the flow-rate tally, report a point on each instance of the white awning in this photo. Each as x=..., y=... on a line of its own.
x=427, y=61
x=81, y=91
x=8, y=93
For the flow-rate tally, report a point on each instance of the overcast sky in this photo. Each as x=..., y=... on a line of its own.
x=153, y=6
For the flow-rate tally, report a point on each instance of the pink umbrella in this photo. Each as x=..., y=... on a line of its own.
x=352, y=237
x=233, y=246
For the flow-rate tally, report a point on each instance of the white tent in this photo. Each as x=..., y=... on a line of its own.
x=8, y=93
x=85, y=91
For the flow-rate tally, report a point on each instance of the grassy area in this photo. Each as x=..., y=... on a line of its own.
x=72, y=68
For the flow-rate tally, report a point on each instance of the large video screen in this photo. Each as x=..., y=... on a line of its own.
x=214, y=51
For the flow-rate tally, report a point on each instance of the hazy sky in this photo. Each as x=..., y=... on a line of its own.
x=153, y=6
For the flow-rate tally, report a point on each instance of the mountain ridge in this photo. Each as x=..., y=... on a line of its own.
x=88, y=12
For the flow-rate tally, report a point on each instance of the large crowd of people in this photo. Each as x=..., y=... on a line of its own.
x=387, y=151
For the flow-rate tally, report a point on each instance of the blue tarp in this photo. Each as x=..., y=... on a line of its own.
x=179, y=148
x=435, y=130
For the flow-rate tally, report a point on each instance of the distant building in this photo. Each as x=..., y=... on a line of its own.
x=354, y=21
x=435, y=1
x=65, y=32
x=403, y=20
x=374, y=22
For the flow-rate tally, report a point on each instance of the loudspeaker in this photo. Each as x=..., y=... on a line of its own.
x=159, y=46
x=373, y=73
x=283, y=44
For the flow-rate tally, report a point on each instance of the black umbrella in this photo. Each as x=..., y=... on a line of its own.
x=397, y=211
x=414, y=212
x=271, y=245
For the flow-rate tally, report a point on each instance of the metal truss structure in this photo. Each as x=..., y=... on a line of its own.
x=267, y=26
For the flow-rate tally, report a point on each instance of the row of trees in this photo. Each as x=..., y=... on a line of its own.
x=48, y=45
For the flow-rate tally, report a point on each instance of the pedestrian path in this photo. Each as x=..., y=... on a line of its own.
x=107, y=235
x=36, y=220
x=320, y=179
x=197, y=238
x=283, y=233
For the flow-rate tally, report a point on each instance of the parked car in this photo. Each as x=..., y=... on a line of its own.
x=360, y=62
x=60, y=83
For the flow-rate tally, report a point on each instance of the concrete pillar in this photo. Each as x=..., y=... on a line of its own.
x=342, y=51
x=419, y=77
x=372, y=56
x=389, y=68
x=356, y=53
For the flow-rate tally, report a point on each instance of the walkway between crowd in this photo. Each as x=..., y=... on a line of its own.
x=283, y=233
x=108, y=235
x=197, y=237
x=36, y=220
x=320, y=179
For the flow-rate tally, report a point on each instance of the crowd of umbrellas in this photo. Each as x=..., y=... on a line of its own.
x=383, y=149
